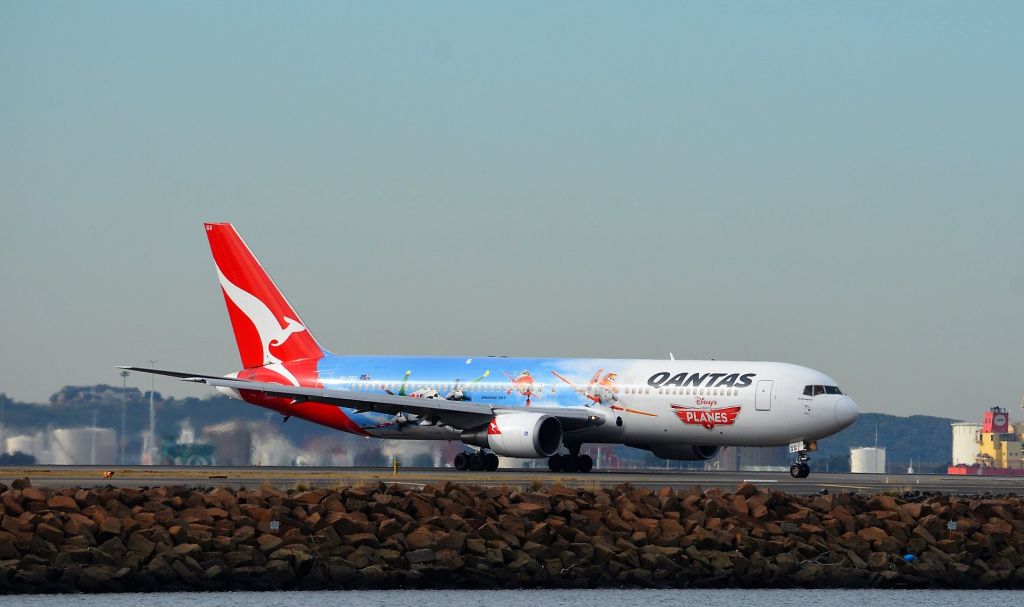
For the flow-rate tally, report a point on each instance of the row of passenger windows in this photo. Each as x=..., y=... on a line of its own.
x=687, y=391
x=536, y=389
x=700, y=391
x=816, y=390
x=365, y=386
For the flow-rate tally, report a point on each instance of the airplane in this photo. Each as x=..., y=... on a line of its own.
x=512, y=407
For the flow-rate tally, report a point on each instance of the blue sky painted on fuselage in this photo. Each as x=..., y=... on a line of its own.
x=490, y=380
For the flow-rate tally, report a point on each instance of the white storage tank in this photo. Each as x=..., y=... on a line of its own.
x=867, y=460
x=965, y=443
x=83, y=446
x=27, y=444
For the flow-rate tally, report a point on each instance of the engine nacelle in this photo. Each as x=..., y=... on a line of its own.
x=518, y=435
x=685, y=453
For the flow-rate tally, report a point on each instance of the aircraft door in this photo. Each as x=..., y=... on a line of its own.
x=763, y=396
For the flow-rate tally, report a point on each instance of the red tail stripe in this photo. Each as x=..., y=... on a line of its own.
x=267, y=328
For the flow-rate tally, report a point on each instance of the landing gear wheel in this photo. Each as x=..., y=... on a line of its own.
x=490, y=462
x=570, y=463
x=800, y=468
x=461, y=462
x=476, y=462
x=586, y=463
x=555, y=462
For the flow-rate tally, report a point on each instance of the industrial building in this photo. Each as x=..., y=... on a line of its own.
x=994, y=448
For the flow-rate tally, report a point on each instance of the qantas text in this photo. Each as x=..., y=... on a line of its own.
x=707, y=380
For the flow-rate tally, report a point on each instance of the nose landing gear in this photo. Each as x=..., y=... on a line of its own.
x=800, y=468
x=468, y=460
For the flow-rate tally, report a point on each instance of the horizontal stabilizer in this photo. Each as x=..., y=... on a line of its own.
x=178, y=374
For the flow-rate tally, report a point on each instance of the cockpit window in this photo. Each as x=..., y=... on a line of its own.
x=816, y=390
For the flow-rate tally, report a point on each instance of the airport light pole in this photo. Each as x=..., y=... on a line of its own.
x=152, y=413
x=92, y=450
x=124, y=408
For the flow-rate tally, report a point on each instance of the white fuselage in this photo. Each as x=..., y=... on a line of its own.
x=644, y=402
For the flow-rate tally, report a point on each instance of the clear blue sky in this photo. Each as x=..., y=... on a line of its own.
x=832, y=184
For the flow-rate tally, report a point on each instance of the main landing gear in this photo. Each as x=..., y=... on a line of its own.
x=571, y=462
x=476, y=461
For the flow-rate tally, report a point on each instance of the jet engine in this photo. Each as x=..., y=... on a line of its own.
x=685, y=453
x=518, y=435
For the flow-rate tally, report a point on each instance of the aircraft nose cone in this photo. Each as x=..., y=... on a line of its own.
x=846, y=411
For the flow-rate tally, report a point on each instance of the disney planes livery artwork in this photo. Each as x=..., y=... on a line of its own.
x=707, y=417
x=513, y=407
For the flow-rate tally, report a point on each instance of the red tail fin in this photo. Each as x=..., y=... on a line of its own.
x=267, y=329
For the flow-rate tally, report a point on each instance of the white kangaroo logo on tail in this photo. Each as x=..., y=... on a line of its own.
x=269, y=328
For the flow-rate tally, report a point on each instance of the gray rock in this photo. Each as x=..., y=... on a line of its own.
x=423, y=555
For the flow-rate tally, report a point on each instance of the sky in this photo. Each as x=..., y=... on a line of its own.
x=833, y=184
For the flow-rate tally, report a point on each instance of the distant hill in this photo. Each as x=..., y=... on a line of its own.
x=78, y=406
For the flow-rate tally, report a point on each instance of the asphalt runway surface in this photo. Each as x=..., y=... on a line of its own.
x=292, y=477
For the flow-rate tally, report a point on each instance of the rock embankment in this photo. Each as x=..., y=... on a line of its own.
x=174, y=538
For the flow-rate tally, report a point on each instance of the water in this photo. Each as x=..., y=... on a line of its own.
x=531, y=598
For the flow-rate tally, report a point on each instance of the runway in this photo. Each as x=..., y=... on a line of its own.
x=292, y=477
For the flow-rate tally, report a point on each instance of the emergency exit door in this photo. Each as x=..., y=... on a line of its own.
x=763, y=397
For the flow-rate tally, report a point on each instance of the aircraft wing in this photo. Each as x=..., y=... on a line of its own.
x=458, y=414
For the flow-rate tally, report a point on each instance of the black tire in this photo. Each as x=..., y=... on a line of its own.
x=805, y=471
x=461, y=462
x=586, y=463
x=476, y=462
x=490, y=462
x=571, y=463
x=555, y=462
x=796, y=471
